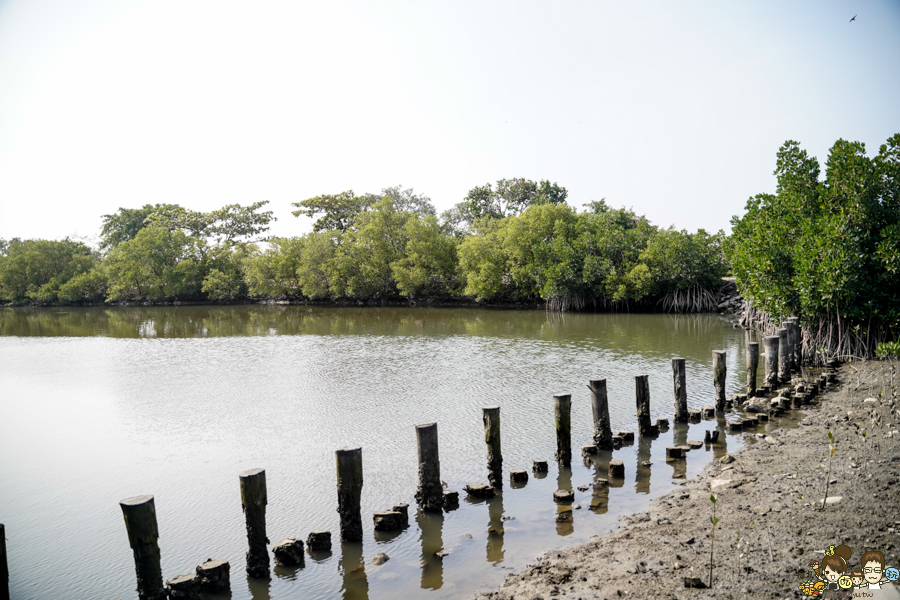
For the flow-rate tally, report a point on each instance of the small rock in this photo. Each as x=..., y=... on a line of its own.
x=582, y=488
x=442, y=553
x=870, y=401
x=577, y=506
x=468, y=536
x=832, y=499
x=772, y=440
x=761, y=510
x=727, y=459
x=380, y=558
x=694, y=582
x=723, y=484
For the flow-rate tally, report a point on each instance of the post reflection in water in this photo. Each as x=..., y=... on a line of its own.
x=355, y=585
x=720, y=448
x=600, y=498
x=680, y=436
x=642, y=476
x=431, y=532
x=259, y=588
x=565, y=516
x=495, y=529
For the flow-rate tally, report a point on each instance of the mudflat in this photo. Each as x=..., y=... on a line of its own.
x=771, y=491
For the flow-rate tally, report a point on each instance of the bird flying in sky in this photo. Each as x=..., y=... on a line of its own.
x=853, y=19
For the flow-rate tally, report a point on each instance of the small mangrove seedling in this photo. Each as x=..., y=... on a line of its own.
x=828, y=476
x=712, y=536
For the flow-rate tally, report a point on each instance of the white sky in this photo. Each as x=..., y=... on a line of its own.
x=674, y=108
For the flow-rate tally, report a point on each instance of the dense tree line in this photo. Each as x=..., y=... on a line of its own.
x=516, y=240
x=826, y=250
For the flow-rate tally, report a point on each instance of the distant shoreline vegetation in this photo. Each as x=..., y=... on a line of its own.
x=513, y=243
x=825, y=250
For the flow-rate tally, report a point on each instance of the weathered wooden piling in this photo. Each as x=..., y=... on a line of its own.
x=480, y=490
x=566, y=496
x=680, y=408
x=403, y=509
x=616, y=469
x=143, y=537
x=518, y=476
x=752, y=367
x=788, y=325
x=662, y=425
x=349, y=488
x=771, y=343
x=183, y=587
x=798, y=343
x=4, y=565
x=674, y=453
x=784, y=374
x=626, y=435
x=642, y=399
x=289, y=552
x=600, y=408
x=540, y=466
x=319, y=541
x=254, y=500
x=430, y=492
x=562, y=406
x=387, y=520
x=214, y=576
x=707, y=412
x=694, y=416
x=491, y=417
x=451, y=499
x=719, y=379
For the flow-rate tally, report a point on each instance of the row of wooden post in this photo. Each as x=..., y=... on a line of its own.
x=782, y=357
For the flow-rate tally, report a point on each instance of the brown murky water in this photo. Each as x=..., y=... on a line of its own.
x=101, y=404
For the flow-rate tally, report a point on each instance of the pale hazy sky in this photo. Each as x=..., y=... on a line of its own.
x=673, y=108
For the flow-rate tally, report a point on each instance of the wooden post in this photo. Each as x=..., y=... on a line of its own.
x=562, y=407
x=719, y=379
x=254, y=500
x=4, y=565
x=143, y=536
x=798, y=343
x=752, y=367
x=642, y=397
x=600, y=408
x=771, y=379
x=788, y=325
x=430, y=492
x=491, y=416
x=784, y=374
x=349, y=488
x=678, y=377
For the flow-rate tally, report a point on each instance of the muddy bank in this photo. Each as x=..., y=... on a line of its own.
x=772, y=493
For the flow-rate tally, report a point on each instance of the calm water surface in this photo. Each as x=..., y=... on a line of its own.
x=100, y=404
